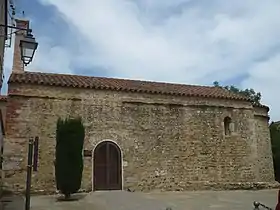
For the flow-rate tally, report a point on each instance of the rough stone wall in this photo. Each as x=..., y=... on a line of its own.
x=3, y=114
x=168, y=142
x=263, y=145
x=3, y=105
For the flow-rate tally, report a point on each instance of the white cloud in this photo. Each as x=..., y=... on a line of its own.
x=50, y=58
x=8, y=63
x=265, y=76
x=174, y=40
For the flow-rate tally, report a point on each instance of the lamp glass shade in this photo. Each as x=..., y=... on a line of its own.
x=28, y=46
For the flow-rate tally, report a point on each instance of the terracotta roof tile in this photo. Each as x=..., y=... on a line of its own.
x=3, y=98
x=261, y=106
x=122, y=85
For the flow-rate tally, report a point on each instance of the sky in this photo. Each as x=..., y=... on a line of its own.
x=179, y=41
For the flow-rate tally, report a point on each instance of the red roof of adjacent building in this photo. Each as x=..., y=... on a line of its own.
x=76, y=81
x=3, y=98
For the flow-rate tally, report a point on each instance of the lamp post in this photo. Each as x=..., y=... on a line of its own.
x=29, y=173
x=28, y=44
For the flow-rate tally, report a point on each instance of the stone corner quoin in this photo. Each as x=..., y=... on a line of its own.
x=165, y=142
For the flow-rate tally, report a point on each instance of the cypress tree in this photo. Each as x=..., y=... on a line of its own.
x=70, y=135
x=275, y=144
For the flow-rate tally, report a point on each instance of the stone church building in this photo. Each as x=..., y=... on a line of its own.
x=139, y=135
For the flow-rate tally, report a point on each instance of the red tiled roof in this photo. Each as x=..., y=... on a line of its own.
x=76, y=81
x=261, y=106
x=3, y=98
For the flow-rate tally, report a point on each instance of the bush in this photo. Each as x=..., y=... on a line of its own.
x=70, y=135
x=275, y=144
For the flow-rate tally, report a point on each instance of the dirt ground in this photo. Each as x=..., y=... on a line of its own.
x=122, y=200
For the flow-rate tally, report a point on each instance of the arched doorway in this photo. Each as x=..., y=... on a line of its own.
x=107, y=170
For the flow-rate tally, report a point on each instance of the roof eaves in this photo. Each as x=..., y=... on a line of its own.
x=27, y=80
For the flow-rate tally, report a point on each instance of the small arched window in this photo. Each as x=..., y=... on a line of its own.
x=227, y=125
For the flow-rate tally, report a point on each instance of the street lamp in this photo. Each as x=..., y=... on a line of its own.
x=28, y=46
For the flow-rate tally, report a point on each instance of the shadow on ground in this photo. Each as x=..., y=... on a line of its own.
x=74, y=197
x=10, y=201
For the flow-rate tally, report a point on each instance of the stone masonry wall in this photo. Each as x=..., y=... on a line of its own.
x=168, y=142
x=3, y=105
x=263, y=145
x=3, y=114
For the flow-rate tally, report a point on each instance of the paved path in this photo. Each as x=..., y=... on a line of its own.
x=121, y=200
x=12, y=202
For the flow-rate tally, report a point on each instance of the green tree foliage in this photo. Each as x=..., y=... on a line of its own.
x=255, y=97
x=275, y=144
x=70, y=135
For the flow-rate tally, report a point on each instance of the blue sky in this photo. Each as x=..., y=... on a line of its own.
x=181, y=41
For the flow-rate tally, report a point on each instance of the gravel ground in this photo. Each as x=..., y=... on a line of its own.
x=122, y=200
x=12, y=202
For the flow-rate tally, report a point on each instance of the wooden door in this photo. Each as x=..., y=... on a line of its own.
x=107, y=167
